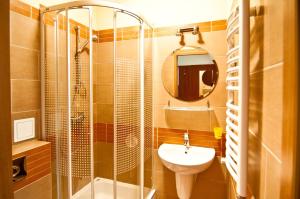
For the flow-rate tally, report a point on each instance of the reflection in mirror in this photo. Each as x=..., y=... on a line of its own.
x=190, y=73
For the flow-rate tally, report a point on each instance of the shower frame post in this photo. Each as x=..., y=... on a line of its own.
x=56, y=49
x=115, y=107
x=70, y=192
x=91, y=101
x=42, y=37
x=142, y=105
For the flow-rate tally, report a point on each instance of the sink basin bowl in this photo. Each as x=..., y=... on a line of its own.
x=196, y=160
x=185, y=165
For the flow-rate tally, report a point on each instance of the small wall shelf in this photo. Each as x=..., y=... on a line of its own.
x=188, y=108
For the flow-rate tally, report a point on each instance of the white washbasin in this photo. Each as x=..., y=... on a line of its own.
x=185, y=165
x=197, y=159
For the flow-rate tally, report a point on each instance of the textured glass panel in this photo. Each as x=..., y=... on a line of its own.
x=55, y=100
x=148, y=112
x=127, y=105
x=80, y=100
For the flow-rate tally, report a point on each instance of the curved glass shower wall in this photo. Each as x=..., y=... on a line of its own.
x=96, y=61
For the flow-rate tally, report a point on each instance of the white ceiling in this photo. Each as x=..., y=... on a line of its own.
x=174, y=12
x=158, y=12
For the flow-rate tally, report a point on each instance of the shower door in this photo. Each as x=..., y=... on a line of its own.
x=127, y=104
x=67, y=100
x=97, y=102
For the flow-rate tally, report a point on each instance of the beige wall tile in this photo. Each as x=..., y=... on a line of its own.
x=222, y=66
x=256, y=103
x=265, y=104
x=213, y=173
x=98, y=112
x=40, y=189
x=158, y=166
x=209, y=189
x=264, y=170
x=272, y=109
x=218, y=97
x=165, y=182
x=257, y=166
x=266, y=107
x=105, y=53
x=108, y=113
x=95, y=115
x=273, y=35
x=122, y=49
x=199, y=121
x=218, y=118
x=267, y=38
x=24, y=63
x=29, y=38
x=49, y=39
x=105, y=153
x=105, y=73
x=25, y=95
x=159, y=117
x=215, y=42
x=104, y=94
x=273, y=175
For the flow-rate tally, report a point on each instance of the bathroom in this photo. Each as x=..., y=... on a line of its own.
x=126, y=99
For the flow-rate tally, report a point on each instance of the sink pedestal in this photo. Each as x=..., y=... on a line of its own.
x=184, y=185
x=185, y=165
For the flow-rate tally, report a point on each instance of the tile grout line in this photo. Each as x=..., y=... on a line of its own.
x=266, y=147
x=32, y=110
x=34, y=80
x=25, y=48
x=268, y=68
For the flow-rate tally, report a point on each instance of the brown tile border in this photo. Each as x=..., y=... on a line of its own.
x=126, y=33
x=103, y=132
x=197, y=138
x=20, y=7
x=38, y=163
x=24, y=9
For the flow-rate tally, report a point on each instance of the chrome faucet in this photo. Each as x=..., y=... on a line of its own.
x=186, y=142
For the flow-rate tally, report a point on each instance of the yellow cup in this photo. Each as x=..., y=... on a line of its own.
x=218, y=132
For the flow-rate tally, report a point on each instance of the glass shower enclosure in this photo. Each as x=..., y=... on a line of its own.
x=96, y=69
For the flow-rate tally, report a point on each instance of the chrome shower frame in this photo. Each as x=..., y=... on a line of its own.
x=84, y=4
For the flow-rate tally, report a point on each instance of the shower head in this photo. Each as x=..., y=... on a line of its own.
x=77, y=30
x=83, y=46
x=80, y=49
x=94, y=37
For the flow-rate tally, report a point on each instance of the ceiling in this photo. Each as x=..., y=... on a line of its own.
x=157, y=12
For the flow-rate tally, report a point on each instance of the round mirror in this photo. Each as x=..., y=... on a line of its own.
x=190, y=73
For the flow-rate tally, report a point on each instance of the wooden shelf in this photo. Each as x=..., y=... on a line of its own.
x=22, y=147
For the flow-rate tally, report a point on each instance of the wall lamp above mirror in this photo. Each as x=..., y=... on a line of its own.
x=194, y=30
x=190, y=73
